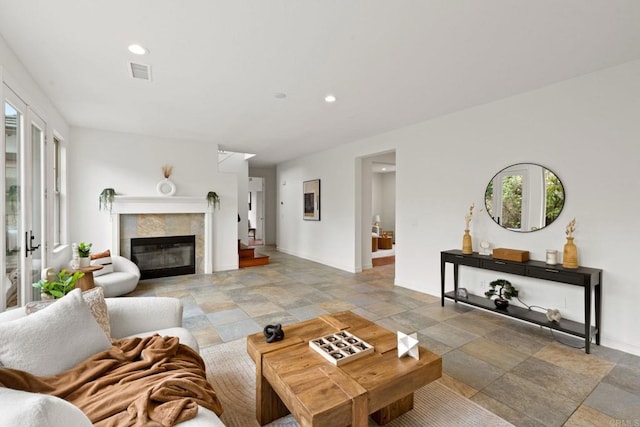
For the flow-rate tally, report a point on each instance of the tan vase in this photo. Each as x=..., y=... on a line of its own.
x=570, y=254
x=467, y=248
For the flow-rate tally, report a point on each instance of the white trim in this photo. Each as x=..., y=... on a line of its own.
x=160, y=204
x=163, y=205
x=3, y=280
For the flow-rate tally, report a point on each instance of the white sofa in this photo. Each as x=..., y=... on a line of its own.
x=128, y=317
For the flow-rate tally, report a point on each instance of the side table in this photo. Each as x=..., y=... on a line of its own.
x=385, y=242
x=86, y=282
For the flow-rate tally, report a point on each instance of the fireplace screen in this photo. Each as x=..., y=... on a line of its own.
x=164, y=256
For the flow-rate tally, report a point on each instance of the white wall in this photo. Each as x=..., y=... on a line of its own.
x=236, y=164
x=20, y=80
x=585, y=129
x=16, y=76
x=131, y=164
x=270, y=201
x=377, y=196
x=384, y=200
x=255, y=189
x=330, y=240
x=388, y=214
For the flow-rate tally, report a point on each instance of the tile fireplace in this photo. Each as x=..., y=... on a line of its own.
x=142, y=217
x=164, y=256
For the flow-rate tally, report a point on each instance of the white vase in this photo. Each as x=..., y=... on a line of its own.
x=166, y=187
x=84, y=262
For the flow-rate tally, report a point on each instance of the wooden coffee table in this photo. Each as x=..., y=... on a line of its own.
x=291, y=377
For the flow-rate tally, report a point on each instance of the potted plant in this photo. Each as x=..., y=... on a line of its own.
x=63, y=283
x=505, y=292
x=213, y=199
x=84, y=250
x=106, y=199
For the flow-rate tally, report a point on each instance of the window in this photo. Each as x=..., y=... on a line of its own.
x=56, y=193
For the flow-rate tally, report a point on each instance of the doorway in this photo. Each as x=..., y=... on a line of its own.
x=24, y=183
x=378, y=218
x=256, y=211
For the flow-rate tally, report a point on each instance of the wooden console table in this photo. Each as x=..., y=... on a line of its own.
x=590, y=279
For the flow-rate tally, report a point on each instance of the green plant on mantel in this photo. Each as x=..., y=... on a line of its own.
x=63, y=283
x=84, y=249
x=213, y=199
x=106, y=199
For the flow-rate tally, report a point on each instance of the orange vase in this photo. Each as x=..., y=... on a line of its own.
x=570, y=254
x=467, y=248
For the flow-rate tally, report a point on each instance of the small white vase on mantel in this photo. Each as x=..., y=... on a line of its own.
x=166, y=187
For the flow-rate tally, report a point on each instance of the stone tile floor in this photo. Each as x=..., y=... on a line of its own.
x=516, y=370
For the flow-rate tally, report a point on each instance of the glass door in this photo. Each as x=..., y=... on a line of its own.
x=35, y=170
x=24, y=141
x=14, y=111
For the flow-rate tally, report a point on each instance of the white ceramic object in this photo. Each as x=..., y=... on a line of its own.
x=166, y=187
x=408, y=345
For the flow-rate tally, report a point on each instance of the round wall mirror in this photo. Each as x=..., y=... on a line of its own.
x=524, y=197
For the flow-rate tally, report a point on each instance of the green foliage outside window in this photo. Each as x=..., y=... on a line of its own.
x=512, y=202
x=555, y=197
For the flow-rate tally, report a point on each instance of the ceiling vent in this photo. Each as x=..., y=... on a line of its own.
x=140, y=71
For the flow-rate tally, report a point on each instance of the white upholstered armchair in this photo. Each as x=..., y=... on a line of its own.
x=120, y=280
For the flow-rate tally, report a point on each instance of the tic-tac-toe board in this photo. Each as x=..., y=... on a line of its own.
x=341, y=347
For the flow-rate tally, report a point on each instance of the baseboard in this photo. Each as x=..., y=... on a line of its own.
x=619, y=345
x=225, y=267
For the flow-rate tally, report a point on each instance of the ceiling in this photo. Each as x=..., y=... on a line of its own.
x=218, y=64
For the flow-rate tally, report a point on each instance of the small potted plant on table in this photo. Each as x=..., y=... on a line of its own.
x=505, y=292
x=84, y=250
x=63, y=283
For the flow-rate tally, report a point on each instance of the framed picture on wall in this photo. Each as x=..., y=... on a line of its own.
x=311, y=200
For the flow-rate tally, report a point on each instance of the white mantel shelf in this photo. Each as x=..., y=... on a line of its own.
x=164, y=205
x=159, y=205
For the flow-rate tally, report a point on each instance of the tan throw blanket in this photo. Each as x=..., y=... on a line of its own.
x=152, y=381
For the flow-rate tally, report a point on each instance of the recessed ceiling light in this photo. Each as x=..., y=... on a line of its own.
x=330, y=98
x=137, y=49
x=384, y=169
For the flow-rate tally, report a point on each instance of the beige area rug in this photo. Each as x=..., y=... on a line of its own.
x=232, y=373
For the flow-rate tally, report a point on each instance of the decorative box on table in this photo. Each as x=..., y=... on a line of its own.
x=511, y=254
x=341, y=347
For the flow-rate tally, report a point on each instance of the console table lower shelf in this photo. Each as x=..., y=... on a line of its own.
x=564, y=325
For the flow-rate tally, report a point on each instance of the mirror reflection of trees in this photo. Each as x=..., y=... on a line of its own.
x=530, y=197
x=512, y=202
x=554, y=196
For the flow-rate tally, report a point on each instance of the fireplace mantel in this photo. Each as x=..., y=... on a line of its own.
x=164, y=205
x=159, y=205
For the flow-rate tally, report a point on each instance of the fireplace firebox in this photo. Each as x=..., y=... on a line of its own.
x=164, y=256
